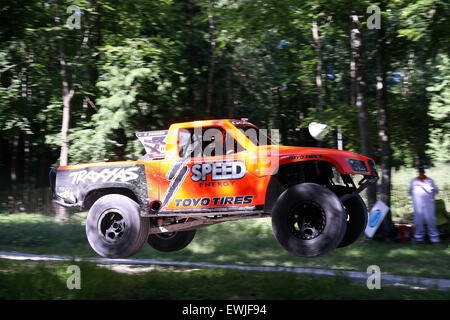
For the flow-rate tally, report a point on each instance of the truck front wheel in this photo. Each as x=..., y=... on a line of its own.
x=114, y=227
x=308, y=220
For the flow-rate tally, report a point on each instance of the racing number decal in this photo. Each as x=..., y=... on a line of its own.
x=228, y=170
x=176, y=175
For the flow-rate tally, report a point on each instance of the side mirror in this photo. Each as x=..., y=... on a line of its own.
x=318, y=130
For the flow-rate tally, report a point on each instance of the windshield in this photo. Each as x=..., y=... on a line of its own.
x=259, y=137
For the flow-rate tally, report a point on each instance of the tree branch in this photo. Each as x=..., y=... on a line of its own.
x=10, y=67
x=89, y=101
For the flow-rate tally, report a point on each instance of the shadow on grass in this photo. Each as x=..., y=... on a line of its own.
x=43, y=234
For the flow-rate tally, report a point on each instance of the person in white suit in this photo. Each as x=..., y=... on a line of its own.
x=423, y=190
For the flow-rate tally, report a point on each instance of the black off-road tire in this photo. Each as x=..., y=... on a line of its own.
x=171, y=241
x=357, y=215
x=114, y=227
x=308, y=220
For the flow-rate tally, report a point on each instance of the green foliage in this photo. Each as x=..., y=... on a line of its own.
x=138, y=84
x=426, y=21
x=145, y=65
x=439, y=111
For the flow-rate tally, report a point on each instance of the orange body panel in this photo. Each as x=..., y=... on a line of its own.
x=220, y=181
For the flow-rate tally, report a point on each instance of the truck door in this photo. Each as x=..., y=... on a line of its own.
x=210, y=173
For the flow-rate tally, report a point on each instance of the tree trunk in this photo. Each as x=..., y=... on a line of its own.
x=67, y=93
x=352, y=99
x=319, y=77
x=408, y=75
x=360, y=92
x=68, y=90
x=229, y=94
x=43, y=159
x=26, y=139
x=13, y=174
x=383, y=134
x=98, y=25
x=13, y=169
x=67, y=97
x=212, y=62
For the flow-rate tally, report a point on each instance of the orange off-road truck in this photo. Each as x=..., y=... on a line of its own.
x=200, y=173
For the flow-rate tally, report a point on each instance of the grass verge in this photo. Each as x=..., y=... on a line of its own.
x=44, y=280
x=247, y=242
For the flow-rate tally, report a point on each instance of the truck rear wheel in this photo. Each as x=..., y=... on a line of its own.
x=171, y=241
x=356, y=215
x=114, y=227
x=308, y=220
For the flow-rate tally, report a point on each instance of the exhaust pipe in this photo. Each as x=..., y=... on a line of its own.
x=155, y=206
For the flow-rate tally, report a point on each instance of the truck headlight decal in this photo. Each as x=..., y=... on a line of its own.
x=372, y=167
x=357, y=165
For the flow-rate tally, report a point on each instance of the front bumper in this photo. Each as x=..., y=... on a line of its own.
x=364, y=183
